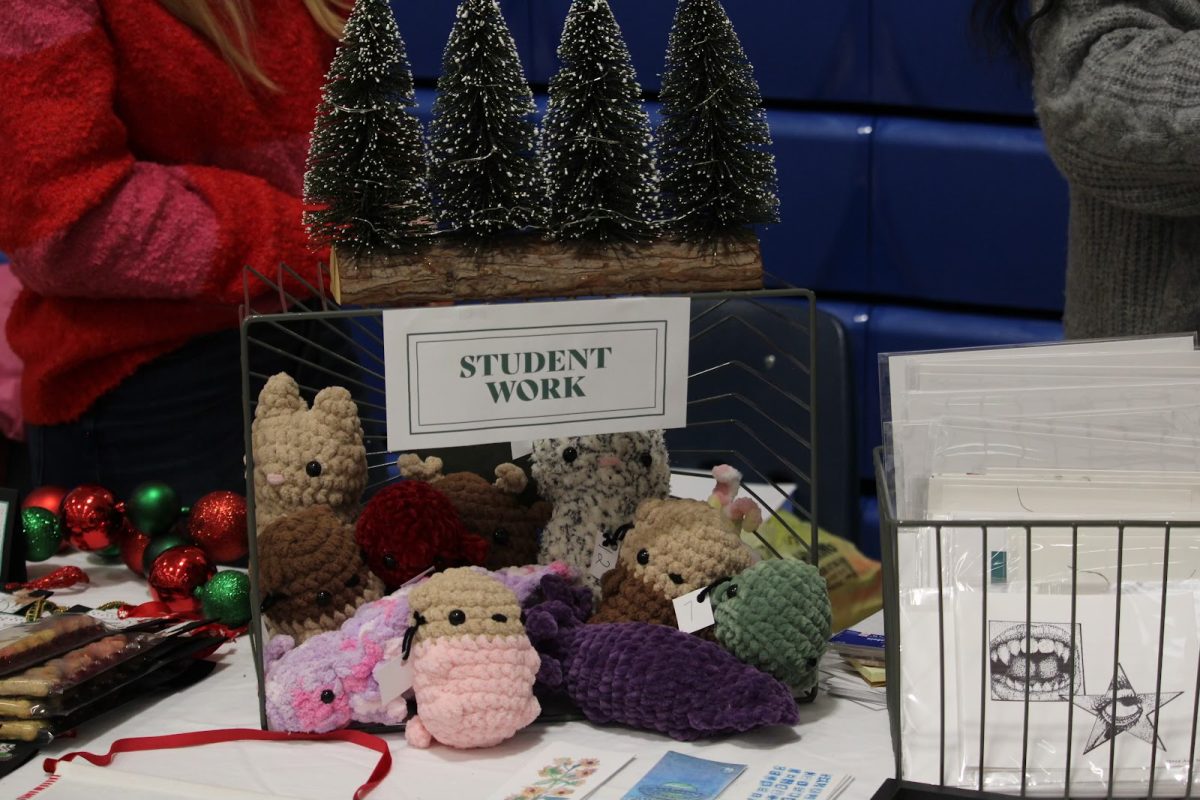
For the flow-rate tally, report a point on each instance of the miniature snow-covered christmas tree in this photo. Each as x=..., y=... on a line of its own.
x=484, y=176
x=365, y=187
x=597, y=149
x=714, y=143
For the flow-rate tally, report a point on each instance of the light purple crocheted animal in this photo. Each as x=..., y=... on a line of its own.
x=330, y=680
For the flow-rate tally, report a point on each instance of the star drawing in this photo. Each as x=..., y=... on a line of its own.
x=1132, y=713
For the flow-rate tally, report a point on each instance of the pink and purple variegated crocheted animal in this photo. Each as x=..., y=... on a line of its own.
x=331, y=680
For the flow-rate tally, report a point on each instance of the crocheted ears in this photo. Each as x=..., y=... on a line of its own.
x=281, y=396
x=511, y=479
x=336, y=408
x=412, y=467
x=277, y=648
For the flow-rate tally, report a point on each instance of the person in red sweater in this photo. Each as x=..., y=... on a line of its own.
x=152, y=151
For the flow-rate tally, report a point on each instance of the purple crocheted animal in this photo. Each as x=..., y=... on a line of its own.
x=650, y=676
x=329, y=681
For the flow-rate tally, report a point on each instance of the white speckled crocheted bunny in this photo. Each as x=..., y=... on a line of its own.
x=595, y=483
x=305, y=457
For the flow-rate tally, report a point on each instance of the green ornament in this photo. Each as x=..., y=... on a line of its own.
x=111, y=552
x=153, y=508
x=159, y=545
x=226, y=598
x=43, y=533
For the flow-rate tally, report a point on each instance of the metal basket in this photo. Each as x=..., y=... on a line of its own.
x=976, y=533
x=751, y=396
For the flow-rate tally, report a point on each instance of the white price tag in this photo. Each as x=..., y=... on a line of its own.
x=521, y=449
x=604, y=556
x=692, y=615
x=395, y=677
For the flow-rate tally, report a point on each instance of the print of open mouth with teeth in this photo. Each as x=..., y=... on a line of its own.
x=1046, y=670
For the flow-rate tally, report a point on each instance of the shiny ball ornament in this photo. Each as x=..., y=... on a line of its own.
x=47, y=497
x=133, y=548
x=42, y=531
x=218, y=525
x=226, y=598
x=112, y=552
x=89, y=515
x=153, y=507
x=159, y=545
x=176, y=575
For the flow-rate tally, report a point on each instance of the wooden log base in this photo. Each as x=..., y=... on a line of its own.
x=530, y=267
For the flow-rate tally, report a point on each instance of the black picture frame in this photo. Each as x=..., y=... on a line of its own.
x=12, y=543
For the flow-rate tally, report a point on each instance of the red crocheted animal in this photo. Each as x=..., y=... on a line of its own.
x=408, y=527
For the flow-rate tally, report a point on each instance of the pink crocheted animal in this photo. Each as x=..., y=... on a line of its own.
x=330, y=680
x=473, y=666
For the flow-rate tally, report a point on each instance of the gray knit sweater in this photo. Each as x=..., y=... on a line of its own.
x=1118, y=93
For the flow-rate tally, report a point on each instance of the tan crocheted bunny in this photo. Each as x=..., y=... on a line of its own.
x=304, y=457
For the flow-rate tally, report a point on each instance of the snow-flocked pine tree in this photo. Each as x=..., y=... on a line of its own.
x=601, y=178
x=365, y=187
x=714, y=143
x=484, y=174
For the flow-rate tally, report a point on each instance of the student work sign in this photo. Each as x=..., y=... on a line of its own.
x=498, y=373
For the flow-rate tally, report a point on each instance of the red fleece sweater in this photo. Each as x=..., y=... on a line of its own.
x=140, y=176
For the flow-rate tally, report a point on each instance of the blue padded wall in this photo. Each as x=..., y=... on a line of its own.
x=823, y=162
x=967, y=212
x=800, y=51
x=923, y=55
x=425, y=26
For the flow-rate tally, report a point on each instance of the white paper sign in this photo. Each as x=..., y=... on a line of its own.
x=501, y=373
x=395, y=677
x=692, y=615
x=562, y=769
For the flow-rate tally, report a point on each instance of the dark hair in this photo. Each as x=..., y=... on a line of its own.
x=1004, y=25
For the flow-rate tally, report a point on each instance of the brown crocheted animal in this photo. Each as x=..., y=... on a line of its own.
x=311, y=573
x=489, y=510
x=675, y=547
x=305, y=457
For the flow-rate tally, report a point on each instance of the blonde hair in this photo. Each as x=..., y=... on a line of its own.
x=229, y=24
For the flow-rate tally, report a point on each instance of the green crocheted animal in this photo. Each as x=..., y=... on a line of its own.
x=776, y=616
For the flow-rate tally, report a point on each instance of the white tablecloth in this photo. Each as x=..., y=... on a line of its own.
x=833, y=735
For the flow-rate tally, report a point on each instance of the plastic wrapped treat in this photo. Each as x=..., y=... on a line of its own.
x=75, y=666
x=22, y=646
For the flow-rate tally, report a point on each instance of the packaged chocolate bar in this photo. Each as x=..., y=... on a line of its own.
x=22, y=646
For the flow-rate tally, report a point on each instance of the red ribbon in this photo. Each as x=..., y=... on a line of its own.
x=157, y=609
x=61, y=578
x=177, y=740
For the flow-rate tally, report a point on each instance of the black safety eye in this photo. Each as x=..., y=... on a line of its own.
x=327, y=696
x=812, y=662
x=389, y=560
x=499, y=618
x=646, y=459
x=352, y=581
x=570, y=454
x=324, y=598
x=731, y=592
x=643, y=557
x=313, y=468
x=500, y=536
x=457, y=617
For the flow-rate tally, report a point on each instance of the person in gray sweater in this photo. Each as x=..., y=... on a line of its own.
x=1117, y=85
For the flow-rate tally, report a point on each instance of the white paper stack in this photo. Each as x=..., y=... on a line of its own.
x=839, y=679
x=1088, y=455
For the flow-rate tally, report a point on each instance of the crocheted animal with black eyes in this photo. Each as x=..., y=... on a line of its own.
x=675, y=547
x=473, y=666
x=776, y=616
x=311, y=574
x=305, y=457
x=489, y=510
x=595, y=484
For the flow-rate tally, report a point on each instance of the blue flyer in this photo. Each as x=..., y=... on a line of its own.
x=680, y=777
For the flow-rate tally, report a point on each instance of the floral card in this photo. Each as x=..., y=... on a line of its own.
x=562, y=770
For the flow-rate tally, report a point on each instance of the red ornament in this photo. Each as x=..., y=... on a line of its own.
x=218, y=526
x=176, y=575
x=61, y=578
x=90, y=517
x=47, y=497
x=133, y=547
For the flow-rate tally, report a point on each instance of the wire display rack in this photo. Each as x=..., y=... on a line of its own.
x=958, y=755
x=751, y=397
